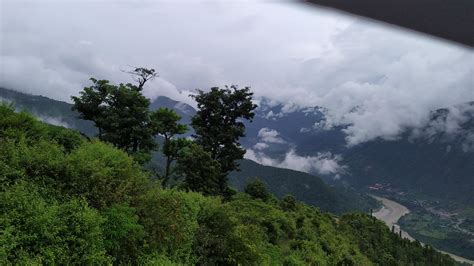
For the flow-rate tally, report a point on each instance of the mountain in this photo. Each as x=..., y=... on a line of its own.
x=429, y=169
x=48, y=110
x=434, y=163
x=434, y=160
x=305, y=187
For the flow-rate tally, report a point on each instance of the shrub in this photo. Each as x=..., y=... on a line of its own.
x=123, y=235
x=257, y=190
x=218, y=242
x=170, y=221
x=103, y=175
x=43, y=231
x=288, y=203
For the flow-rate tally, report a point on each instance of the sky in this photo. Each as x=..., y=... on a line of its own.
x=378, y=80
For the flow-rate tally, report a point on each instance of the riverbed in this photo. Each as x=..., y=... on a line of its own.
x=392, y=211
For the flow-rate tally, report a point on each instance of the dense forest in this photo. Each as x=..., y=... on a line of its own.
x=66, y=198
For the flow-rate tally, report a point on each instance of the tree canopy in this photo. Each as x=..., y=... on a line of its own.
x=121, y=113
x=165, y=122
x=219, y=125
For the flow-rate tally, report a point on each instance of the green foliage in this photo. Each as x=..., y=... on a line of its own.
x=288, y=203
x=386, y=248
x=65, y=138
x=201, y=173
x=123, y=234
x=170, y=221
x=91, y=103
x=306, y=236
x=19, y=126
x=257, y=190
x=121, y=114
x=437, y=230
x=103, y=175
x=39, y=230
x=305, y=187
x=157, y=259
x=41, y=162
x=66, y=200
x=164, y=122
x=219, y=239
x=48, y=108
x=218, y=125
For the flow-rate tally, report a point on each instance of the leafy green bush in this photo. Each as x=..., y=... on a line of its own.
x=288, y=203
x=19, y=126
x=218, y=241
x=123, y=234
x=103, y=175
x=37, y=229
x=257, y=189
x=170, y=221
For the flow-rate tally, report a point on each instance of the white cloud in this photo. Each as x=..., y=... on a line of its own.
x=4, y=101
x=270, y=136
x=53, y=121
x=324, y=163
x=261, y=146
x=449, y=124
x=374, y=79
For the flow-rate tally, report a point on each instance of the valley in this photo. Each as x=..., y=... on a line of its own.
x=236, y=133
x=418, y=224
x=441, y=213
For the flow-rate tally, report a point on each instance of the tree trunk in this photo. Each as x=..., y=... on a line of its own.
x=167, y=170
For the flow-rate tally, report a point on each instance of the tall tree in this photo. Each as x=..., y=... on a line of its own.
x=219, y=125
x=165, y=122
x=200, y=172
x=120, y=112
x=91, y=102
x=128, y=120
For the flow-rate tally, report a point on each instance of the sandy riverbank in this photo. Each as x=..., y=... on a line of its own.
x=392, y=211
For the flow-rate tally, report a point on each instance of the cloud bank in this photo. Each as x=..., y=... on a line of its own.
x=324, y=163
x=270, y=136
x=376, y=80
x=450, y=125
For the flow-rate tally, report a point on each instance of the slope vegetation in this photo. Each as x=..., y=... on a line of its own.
x=65, y=199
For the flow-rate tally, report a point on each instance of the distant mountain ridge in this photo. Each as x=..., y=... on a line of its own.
x=432, y=162
x=435, y=160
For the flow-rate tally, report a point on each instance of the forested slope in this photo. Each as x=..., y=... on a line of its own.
x=306, y=187
x=65, y=199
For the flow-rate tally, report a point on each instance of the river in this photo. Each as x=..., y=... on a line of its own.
x=392, y=211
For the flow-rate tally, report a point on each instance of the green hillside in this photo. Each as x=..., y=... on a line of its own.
x=307, y=188
x=65, y=199
x=48, y=110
